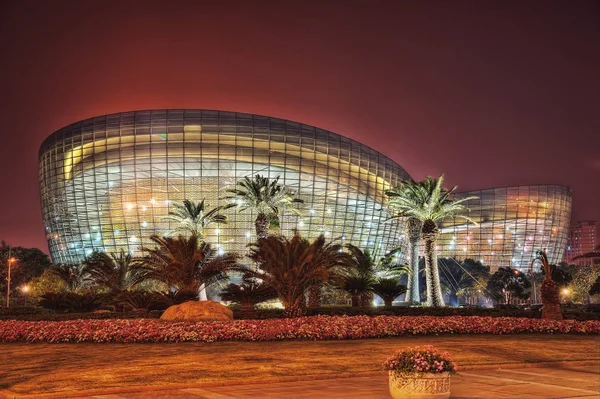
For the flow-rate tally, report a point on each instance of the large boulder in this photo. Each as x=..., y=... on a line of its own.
x=198, y=311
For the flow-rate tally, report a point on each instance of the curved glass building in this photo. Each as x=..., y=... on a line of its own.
x=108, y=182
x=512, y=223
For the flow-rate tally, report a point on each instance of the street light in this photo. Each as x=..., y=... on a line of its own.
x=10, y=261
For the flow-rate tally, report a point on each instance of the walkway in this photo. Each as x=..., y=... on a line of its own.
x=570, y=382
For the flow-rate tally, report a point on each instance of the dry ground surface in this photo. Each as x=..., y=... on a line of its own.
x=37, y=368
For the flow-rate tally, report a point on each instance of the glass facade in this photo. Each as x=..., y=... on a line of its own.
x=108, y=182
x=512, y=223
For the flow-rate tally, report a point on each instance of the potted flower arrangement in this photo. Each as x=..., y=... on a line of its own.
x=420, y=373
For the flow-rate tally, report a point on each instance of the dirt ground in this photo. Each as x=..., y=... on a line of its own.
x=36, y=368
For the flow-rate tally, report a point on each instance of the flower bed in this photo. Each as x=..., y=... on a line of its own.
x=308, y=328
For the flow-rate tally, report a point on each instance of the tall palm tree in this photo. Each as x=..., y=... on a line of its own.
x=192, y=218
x=292, y=266
x=431, y=203
x=266, y=197
x=184, y=264
x=75, y=277
x=114, y=272
x=405, y=193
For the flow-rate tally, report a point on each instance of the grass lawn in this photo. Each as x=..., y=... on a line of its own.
x=37, y=368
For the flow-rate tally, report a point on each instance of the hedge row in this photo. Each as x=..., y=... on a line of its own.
x=303, y=328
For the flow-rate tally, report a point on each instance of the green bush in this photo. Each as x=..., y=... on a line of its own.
x=155, y=314
x=70, y=302
x=22, y=311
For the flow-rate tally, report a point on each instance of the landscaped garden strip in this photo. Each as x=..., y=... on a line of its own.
x=303, y=328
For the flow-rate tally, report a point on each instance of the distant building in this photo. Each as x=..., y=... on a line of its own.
x=581, y=239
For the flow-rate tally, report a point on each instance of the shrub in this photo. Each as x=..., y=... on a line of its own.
x=142, y=300
x=248, y=294
x=154, y=314
x=72, y=302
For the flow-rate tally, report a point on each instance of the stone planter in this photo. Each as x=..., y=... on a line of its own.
x=419, y=385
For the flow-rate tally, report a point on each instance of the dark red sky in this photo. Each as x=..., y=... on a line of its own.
x=490, y=93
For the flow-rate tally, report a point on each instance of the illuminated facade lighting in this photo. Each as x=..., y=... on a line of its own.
x=110, y=170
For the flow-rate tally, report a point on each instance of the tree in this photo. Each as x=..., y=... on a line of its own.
x=292, y=266
x=549, y=290
x=266, y=197
x=75, y=277
x=404, y=194
x=184, y=264
x=507, y=284
x=30, y=263
x=249, y=293
x=358, y=286
x=430, y=203
x=595, y=288
x=366, y=267
x=193, y=218
x=388, y=289
x=48, y=282
x=115, y=272
x=584, y=277
x=458, y=277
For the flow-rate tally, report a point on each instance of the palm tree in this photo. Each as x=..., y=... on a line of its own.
x=114, y=272
x=388, y=289
x=75, y=277
x=184, y=264
x=249, y=293
x=408, y=192
x=431, y=203
x=266, y=197
x=292, y=266
x=549, y=290
x=366, y=266
x=359, y=287
x=192, y=218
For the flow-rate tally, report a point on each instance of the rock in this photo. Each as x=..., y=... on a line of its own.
x=198, y=311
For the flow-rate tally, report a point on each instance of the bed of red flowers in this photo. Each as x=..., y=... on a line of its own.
x=303, y=328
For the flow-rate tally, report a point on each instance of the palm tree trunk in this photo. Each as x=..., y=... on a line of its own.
x=366, y=299
x=388, y=303
x=550, y=300
x=202, y=293
x=355, y=300
x=414, y=237
x=296, y=309
x=430, y=234
x=262, y=225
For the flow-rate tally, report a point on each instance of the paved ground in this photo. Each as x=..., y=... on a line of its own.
x=523, y=383
x=54, y=368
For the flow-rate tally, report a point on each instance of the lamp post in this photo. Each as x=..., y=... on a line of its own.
x=9, y=261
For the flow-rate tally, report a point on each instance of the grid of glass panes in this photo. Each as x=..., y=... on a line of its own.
x=512, y=223
x=107, y=183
